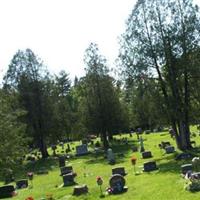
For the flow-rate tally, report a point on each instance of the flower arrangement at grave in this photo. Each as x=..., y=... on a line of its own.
x=30, y=177
x=193, y=184
x=29, y=198
x=133, y=162
x=100, y=183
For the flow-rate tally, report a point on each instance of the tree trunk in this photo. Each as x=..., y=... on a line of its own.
x=105, y=141
x=43, y=148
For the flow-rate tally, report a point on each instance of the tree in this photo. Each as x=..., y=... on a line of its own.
x=27, y=76
x=13, y=143
x=159, y=38
x=103, y=106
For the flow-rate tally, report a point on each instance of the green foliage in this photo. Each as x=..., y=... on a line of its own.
x=13, y=143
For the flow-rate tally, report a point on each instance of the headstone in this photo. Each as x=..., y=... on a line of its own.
x=165, y=144
x=68, y=179
x=196, y=164
x=150, y=166
x=147, y=132
x=119, y=170
x=183, y=156
x=66, y=170
x=61, y=161
x=146, y=154
x=185, y=168
x=110, y=156
x=22, y=184
x=80, y=189
x=169, y=149
x=81, y=150
x=6, y=191
x=117, y=183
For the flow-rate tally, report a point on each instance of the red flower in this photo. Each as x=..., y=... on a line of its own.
x=133, y=160
x=29, y=198
x=99, y=180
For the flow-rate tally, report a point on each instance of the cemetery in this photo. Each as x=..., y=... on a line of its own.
x=118, y=173
x=84, y=125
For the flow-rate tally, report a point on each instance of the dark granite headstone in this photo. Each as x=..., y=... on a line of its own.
x=6, y=191
x=80, y=189
x=169, y=149
x=185, y=168
x=146, y=154
x=119, y=170
x=81, y=150
x=117, y=183
x=183, y=156
x=165, y=144
x=61, y=161
x=150, y=166
x=22, y=184
x=68, y=179
x=66, y=170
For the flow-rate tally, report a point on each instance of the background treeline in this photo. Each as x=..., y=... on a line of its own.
x=159, y=64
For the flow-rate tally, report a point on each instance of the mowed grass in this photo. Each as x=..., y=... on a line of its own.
x=163, y=184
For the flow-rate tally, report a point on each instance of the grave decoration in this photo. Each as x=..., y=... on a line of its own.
x=150, y=166
x=117, y=184
x=110, y=156
x=193, y=183
x=7, y=191
x=185, y=168
x=146, y=154
x=133, y=162
x=30, y=177
x=80, y=189
x=100, y=183
x=29, y=198
x=119, y=170
x=23, y=183
x=81, y=150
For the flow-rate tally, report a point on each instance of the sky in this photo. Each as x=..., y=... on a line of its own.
x=59, y=31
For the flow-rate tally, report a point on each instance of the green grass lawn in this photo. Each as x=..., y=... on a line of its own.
x=163, y=184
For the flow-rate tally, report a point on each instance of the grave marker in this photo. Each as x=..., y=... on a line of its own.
x=81, y=150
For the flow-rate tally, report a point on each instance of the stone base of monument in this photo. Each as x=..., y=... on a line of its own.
x=6, y=191
x=22, y=184
x=80, y=189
